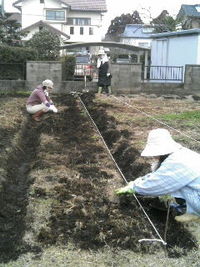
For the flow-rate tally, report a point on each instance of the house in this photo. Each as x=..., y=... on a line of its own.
x=171, y=51
x=77, y=20
x=2, y=11
x=137, y=35
x=189, y=15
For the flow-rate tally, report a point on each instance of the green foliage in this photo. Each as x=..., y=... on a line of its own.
x=68, y=67
x=10, y=32
x=10, y=54
x=12, y=62
x=47, y=45
x=164, y=22
x=118, y=24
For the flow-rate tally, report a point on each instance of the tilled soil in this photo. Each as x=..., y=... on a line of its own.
x=58, y=182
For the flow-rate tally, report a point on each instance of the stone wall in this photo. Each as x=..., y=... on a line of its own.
x=37, y=71
x=192, y=78
x=126, y=79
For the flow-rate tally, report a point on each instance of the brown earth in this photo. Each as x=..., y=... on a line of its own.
x=57, y=179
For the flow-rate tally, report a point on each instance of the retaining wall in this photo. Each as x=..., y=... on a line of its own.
x=126, y=80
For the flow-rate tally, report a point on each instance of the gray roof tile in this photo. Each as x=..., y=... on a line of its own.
x=190, y=10
x=87, y=5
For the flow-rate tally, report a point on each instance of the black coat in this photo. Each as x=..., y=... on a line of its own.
x=103, y=79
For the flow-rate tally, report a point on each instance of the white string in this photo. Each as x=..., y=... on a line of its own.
x=153, y=118
x=161, y=239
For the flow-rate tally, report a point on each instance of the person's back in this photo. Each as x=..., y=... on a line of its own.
x=37, y=96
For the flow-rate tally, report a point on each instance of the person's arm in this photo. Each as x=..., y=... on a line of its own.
x=43, y=98
x=167, y=179
x=98, y=63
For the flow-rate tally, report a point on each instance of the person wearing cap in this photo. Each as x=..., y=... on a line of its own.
x=177, y=174
x=39, y=101
x=104, y=75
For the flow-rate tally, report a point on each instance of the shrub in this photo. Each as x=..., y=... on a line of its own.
x=68, y=67
x=13, y=59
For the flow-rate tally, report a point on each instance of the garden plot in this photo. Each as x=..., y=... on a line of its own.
x=58, y=182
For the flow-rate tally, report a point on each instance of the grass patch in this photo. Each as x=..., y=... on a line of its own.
x=15, y=94
x=192, y=116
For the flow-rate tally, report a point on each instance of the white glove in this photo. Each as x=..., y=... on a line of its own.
x=46, y=92
x=53, y=108
x=108, y=74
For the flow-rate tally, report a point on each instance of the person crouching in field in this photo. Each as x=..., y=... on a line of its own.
x=39, y=101
x=177, y=174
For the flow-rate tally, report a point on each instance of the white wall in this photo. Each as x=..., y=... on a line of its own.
x=33, y=11
x=136, y=42
x=198, y=50
x=175, y=51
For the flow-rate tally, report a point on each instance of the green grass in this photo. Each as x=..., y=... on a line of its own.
x=192, y=116
x=15, y=94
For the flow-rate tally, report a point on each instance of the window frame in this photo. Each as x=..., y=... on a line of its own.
x=81, y=30
x=77, y=21
x=55, y=18
x=71, y=30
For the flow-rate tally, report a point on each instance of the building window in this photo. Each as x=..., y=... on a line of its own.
x=79, y=21
x=91, y=32
x=81, y=30
x=55, y=15
x=41, y=1
x=71, y=30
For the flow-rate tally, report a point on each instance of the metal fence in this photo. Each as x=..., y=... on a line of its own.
x=163, y=73
x=12, y=71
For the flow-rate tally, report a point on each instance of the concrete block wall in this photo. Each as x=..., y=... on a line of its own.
x=126, y=78
x=38, y=71
x=192, y=78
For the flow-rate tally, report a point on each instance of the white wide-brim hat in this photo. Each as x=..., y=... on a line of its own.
x=159, y=142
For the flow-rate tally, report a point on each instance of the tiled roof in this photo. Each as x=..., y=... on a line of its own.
x=15, y=16
x=82, y=5
x=191, y=10
x=87, y=5
x=46, y=25
x=178, y=33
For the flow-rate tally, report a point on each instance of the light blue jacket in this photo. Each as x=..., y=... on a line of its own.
x=178, y=175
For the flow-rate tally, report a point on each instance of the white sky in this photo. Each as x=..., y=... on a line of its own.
x=118, y=7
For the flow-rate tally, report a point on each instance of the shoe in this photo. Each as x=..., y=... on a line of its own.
x=187, y=217
x=37, y=115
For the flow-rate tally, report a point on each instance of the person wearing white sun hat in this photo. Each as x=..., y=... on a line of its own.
x=39, y=102
x=176, y=173
x=104, y=72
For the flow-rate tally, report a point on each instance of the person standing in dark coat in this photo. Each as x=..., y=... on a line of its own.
x=104, y=77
